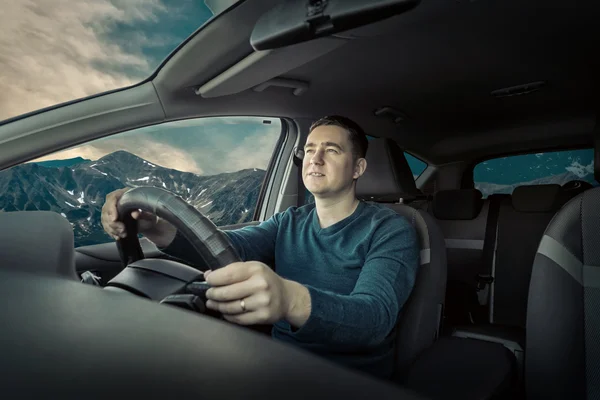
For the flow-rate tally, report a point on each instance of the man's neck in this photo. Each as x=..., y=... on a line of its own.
x=332, y=211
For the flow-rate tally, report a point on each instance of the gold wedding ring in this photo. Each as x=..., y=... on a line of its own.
x=243, y=305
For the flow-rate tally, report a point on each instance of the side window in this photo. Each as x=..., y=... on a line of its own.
x=503, y=175
x=416, y=166
x=215, y=164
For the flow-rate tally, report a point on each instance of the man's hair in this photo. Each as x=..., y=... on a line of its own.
x=358, y=138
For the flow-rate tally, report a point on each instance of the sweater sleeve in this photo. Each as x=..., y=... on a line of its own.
x=252, y=243
x=369, y=313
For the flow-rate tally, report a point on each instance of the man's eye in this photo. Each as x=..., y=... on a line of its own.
x=308, y=151
x=332, y=150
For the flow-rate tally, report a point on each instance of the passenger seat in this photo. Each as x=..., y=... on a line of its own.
x=447, y=367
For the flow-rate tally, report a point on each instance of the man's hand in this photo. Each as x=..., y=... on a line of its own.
x=155, y=229
x=267, y=297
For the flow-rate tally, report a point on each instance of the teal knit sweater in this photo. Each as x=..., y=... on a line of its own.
x=359, y=273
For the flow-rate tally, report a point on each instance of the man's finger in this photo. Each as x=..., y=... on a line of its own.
x=232, y=273
x=233, y=292
x=227, y=307
x=117, y=226
x=248, y=318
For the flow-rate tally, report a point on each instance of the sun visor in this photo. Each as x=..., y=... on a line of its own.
x=262, y=69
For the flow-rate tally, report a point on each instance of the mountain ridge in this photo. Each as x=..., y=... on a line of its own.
x=78, y=190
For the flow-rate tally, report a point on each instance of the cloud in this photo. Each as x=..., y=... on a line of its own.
x=158, y=153
x=54, y=51
x=219, y=144
x=581, y=170
x=254, y=151
x=205, y=146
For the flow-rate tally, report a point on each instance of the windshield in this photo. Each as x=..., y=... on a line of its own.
x=54, y=51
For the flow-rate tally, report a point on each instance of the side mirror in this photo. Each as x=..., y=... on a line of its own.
x=296, y=21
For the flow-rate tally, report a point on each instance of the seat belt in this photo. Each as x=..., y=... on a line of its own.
x=485, y=278
x=297, y=158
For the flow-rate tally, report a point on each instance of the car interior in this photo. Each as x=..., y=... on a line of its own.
x=504, y=306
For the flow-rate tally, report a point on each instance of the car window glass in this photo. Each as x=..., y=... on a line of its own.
x=55, y=51
x=504, y=174
x=215, y=164
x=416, y=166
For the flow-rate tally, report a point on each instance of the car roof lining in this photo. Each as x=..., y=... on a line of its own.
x=441, y=76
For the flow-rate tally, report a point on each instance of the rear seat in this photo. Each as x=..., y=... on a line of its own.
x=456, y=367
x=521, y=226
x=484, y=358
x=461, y=214
x=522, y=220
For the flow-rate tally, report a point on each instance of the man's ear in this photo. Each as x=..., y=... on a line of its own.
x=359, y=168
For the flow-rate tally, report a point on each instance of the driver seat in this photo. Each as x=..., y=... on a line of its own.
x=37, y=241
x=389, y=180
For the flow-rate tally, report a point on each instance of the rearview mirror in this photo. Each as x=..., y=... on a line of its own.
x=296, y=21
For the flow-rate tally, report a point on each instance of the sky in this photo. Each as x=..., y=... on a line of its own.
x=204, y=146
x=53, y=51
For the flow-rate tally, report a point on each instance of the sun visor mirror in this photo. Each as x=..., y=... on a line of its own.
x=296, y=21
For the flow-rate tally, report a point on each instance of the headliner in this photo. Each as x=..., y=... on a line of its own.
x=437, y=64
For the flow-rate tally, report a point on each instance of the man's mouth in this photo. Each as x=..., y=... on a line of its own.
x=315, y=174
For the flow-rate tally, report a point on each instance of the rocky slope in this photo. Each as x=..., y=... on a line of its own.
x=77, y=188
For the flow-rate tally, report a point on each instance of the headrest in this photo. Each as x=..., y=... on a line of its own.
x=388, y=174
x=575, y=187
x=538, y=198
x=457, y=204
x=37, y=241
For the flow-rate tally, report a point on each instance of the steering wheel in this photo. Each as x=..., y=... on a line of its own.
x=165, y=280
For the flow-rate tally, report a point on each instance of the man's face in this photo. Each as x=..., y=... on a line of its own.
x=328, y=168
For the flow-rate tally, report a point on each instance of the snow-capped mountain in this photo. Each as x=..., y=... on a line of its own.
x=77, y=190
x=502, y=175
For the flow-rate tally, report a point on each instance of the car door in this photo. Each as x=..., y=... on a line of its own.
x=220, y=165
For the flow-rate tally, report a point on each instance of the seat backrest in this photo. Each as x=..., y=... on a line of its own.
x=462, y=217
x=37, y=241
x=521, y=224
x=563, y=319
x=386, y=178
x=420, y=322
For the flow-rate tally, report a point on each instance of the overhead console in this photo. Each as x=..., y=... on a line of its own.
x=294, y=33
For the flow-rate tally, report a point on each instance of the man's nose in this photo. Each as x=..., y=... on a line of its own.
x=317, y=157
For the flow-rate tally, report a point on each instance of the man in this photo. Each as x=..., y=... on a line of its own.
x=344, y=267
